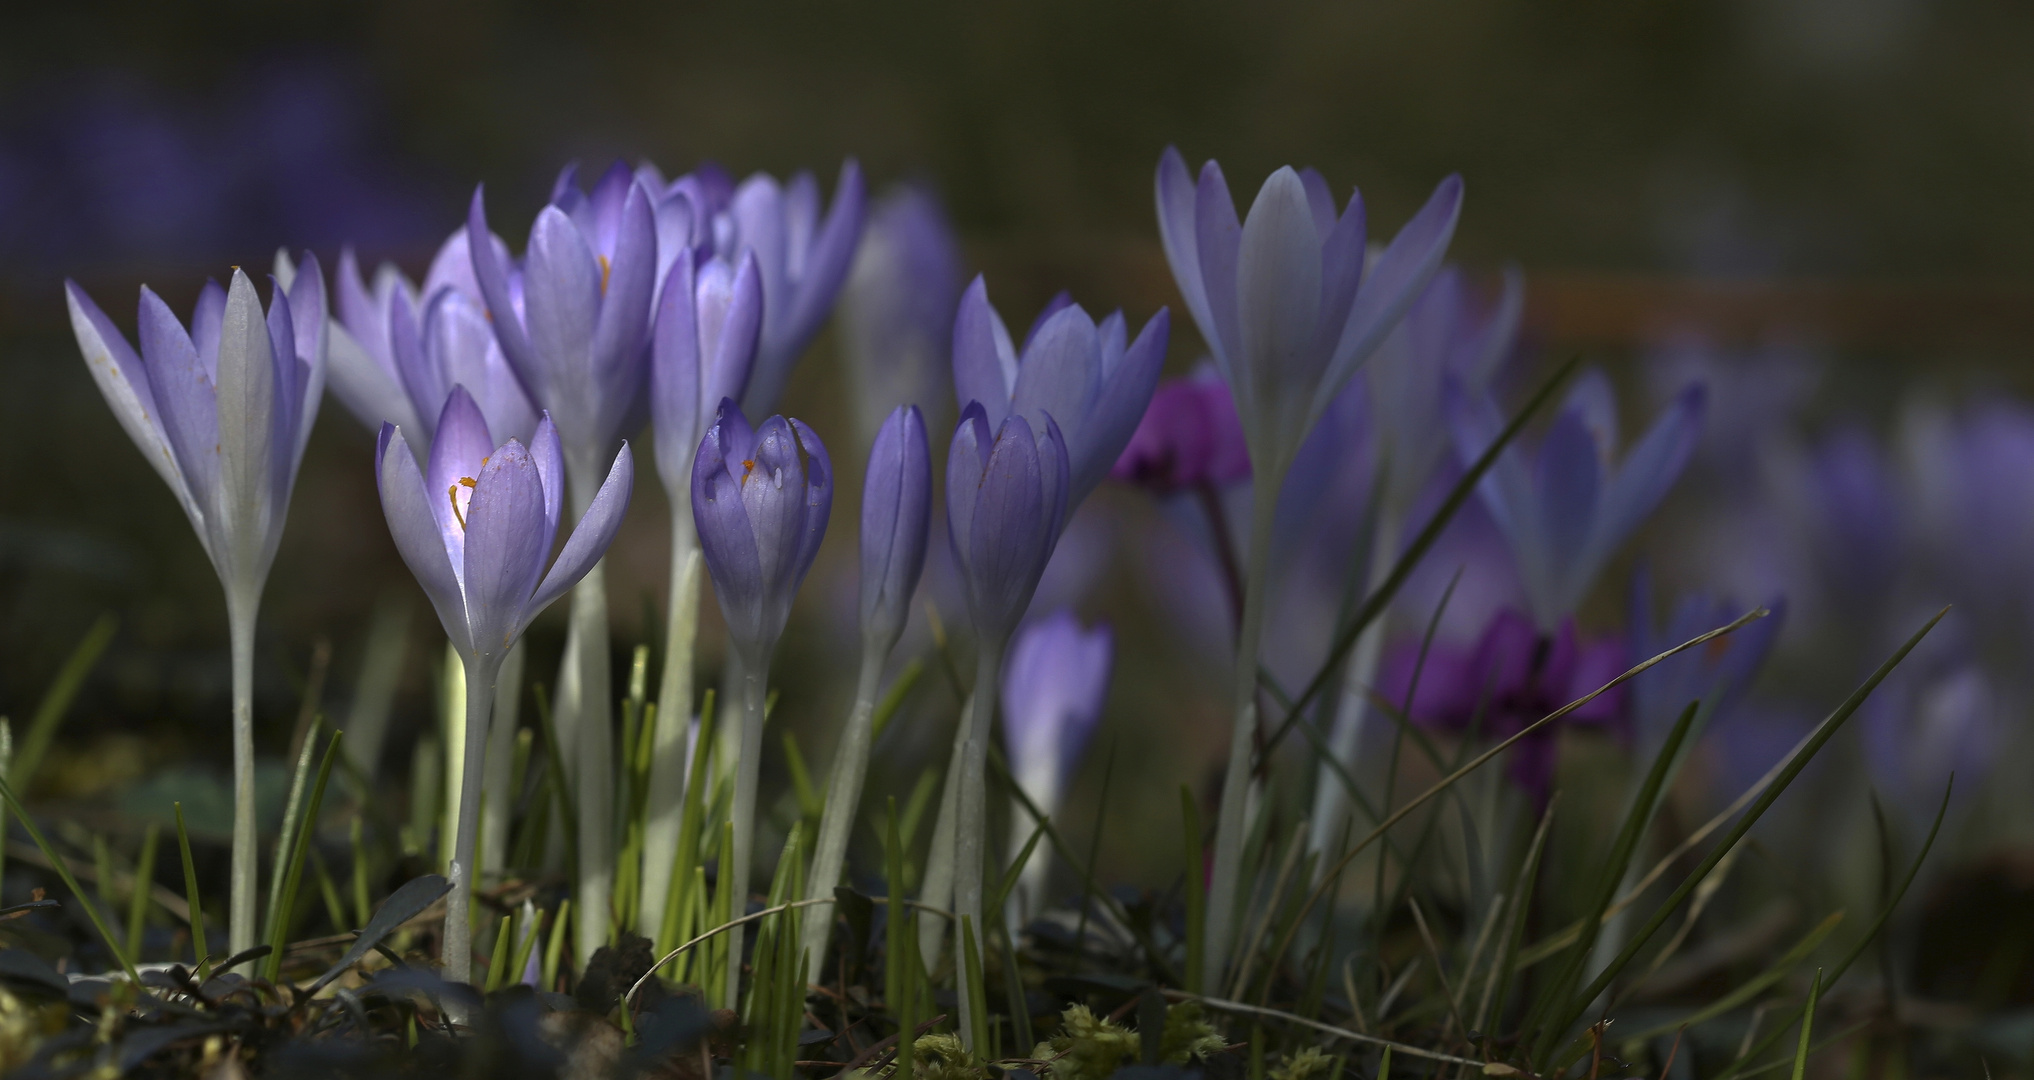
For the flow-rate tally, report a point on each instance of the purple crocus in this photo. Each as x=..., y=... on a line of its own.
x=1007, y=498
x=1450, y=334
x=896, y=521
x=897, y=308
x=1717, y=675
x=1084, y=377
x=575, y=326
x=760, y=500
x=1189, y=438
x=1567, y=507
x=1944, y=717
x=476, y=528
x=1053, y=687
x=398, y=348
x=1511, y=677
x=803, y=257
x=709, y=316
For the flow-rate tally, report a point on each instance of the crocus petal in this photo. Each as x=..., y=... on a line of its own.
x=1011, y=523
x=491, y=270
x=818, y=498
x=123, y=381
x=1060, y=301
x=561, y=300
x=504, y=547
x=832, y=249
x=205, y=316
x=1217, y=237
x=967, y=458
x=1278, y=305
x=741, y=324
x=361, y=315
x=367, y=391
x=546, y=451
x=1393, y=282
x=1648, y=471
x=1320, y=200
x=413, y=526
x=675, y=378
x=984, y=360
x=773, y=491
x=591, y=537
x=291, y=375
x=1569, y=482
x=246, y=386
x=1061, y=373
x=623, y=326
x=1113, y=417
x=184, y=398
x=896, y=515
x=308, y=312
x=1178, y=230
x=422, y=381
x=458, y=456
x=726, y=540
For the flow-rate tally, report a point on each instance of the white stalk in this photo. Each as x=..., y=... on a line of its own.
x=843, y=798
x=240, y=929
x=455, y=757
x=970, y=836
x=480, y=673
x=1352, y=704
x=587, y=701
x=668, y=765
x=498, y=801
x=936, y=890
x=748, y=772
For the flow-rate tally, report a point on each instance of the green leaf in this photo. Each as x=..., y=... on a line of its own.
x=404, y=904
x=57, y=862
x=56, y=701
x=278, y=933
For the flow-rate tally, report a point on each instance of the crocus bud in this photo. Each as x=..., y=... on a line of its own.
x=1006, y=501
x=896, y=516
x=761, y=511
x=701, y=351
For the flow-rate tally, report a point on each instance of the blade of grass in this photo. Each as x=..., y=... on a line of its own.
x=893, y=922
x=1807, y=1026
x=893, y=698
x=1751, y=987
x=978, y=995
x=199, y=947
x=329, y=892
x=678, y=899
x=554, y=949
x=279, y=927
x=1089, y=888
x=286, y=837
x=1823, y=733
x=63, y=871
x=56, y=701
x=1016, y=870
x=498, y=960
x=1195, y=862
x=1490, y=1011
x=137, y=897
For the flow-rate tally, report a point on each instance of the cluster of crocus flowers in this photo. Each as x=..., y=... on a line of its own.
x=222, y=412
x=476, y=527
x=1290, y=304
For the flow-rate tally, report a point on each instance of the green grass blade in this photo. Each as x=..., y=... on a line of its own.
x=328, y=890
x=1807, y=1027
x=362, y=910
x=568, y=811
x=691, y=819
x=56, y=701
x=279, y=927
x=137, y=897
x=1490, y=1014
x=1194, y=863
x=554, y=949
x=1752, y=987
x=893, y=698
x=1636, y=821
x=1823, y=733
x=978, y=996
x=199, y=951
x=1016, y=870
x=63, y=870
x=286, y=837
x=498, y=960
x=894, y=915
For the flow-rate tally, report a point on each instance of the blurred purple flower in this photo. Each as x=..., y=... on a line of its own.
x=1844, y=503
x=897, y=309
x=1513, y=676
x=577, y=333
x=398, y=350
x=1755, y=394
x=1189, y=437
x=479, y=549
x=1567, y=506
x=702, y=349
x=1449, y=334
x=1083, y=376
x=1717, y=674
x=1054, y=685
x=1971, y=478
x=1283, y=298
x=1925, y=724
x=1006, y=502
x=760, y=499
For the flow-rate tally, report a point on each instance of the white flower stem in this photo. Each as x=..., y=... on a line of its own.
x=935, y=890
x=584, y=703
x=970, y=836
x=843, y=798
x=665, y=805
x=748, y=771
x=1345, y=736
x=498, y=800
x=1223, y=883
x=240, y=927
x=481, y=672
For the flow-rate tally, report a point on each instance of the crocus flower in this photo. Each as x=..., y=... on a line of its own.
x=577, y=336
x=398, y=348
x=701, y=350
x=1189, y=438
x=476, y=528
x=897, y=308
x=1717, y=675
x=1284, y=297
x=1513, y=676
x=803, y=259
x=1449, y=334
x=1566, y=508
x=1083, y=376
x=1053, y=688
x=760, y=500
x=896, y=521
x=222, y=412
x=1942, y=718
x=1006, y=502
x=1969, y=495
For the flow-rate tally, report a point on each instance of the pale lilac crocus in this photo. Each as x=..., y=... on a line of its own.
x=896, y=523
x=1053, y=688
x=709, y=317
x=760, y=500
x=897, y=309
x=1290, y=304
x=1567, y=505
x=222, y=412
x=577, y=333
x=476, y=527
x=1717, y=675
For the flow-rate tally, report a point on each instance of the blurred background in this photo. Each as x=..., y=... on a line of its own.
x=1824, y=209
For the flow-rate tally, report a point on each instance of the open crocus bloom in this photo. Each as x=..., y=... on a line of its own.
x=477, y=525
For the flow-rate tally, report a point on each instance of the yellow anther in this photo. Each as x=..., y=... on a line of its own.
x=452, y=493
x=605, y=266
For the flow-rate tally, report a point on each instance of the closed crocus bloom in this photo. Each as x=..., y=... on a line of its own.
x=577, y=335
x=222, y=412
x=1567, y=506
x=709, y=317
x=760, y=500
x=1053, y=688
x=896, y=519
x=1006, y=502
x=803, y=258
x=1088, y=379
x=897, y=308
x=476, y=527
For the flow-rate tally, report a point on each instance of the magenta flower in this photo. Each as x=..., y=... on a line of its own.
x=1190, y=437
